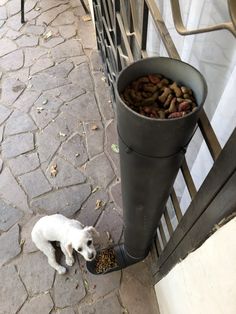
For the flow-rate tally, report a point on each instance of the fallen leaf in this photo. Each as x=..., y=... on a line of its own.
x=86, y=18
x=103, y=79
x=39, y=109
x=44, y=102
x=99, y=204
x=94, y=127
x=62, y=134
x=77, y=155
x=22, y=242
x=37, y=9
x=108, y=235
x=53, y=170
x=95, y=189
x=47, y=35
x=86, y=284
x=115, y=148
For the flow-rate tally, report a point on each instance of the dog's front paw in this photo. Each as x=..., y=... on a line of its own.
x=61, y=270
x=70, y=261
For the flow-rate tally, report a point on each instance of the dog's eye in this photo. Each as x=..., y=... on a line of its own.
x=79, y=249
x=89, y=242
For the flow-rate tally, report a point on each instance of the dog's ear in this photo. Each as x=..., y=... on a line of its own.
x=92, y=230
x=69, y=249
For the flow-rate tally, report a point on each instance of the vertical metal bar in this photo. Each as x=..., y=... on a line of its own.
x=168, y=222
x=188, y=179
x=22, y=11
x=144, y=27
x=162, y=233
x=177, y=208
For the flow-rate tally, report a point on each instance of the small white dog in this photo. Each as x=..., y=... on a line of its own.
x=70, y=233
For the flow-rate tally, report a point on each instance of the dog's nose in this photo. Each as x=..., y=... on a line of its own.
x=91, y=256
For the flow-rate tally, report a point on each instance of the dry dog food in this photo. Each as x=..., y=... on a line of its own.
x=105, y=260
x=156, y=96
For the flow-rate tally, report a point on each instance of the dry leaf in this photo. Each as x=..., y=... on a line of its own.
x=86, y=284
x=115, y=148
x=95, y=189
x=47, y=35
x=86, y=18
x=44, y=102
x=53, y=170
x=99, y=204
x=39, y=109
x=62, y=134
x=37, y=9
x=108, y=235
x=77, y=155
x=94, y=127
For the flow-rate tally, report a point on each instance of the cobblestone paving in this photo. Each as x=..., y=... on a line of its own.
x=55, y=110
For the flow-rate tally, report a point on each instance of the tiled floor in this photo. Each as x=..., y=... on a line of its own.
x=55, y=111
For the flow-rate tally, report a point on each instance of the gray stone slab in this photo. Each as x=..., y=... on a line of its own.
x=53, y=4
x=43, y=81
x=6, y=46
x=94, y=138
x=84, y=107
x=19, y=122
x=3, y=13
x=81, y=75
x=79, y=59
x=36, y=273
x=116, y=195
x=98, y=286
x=27, y=243
x=27, y=41
x=136, y=291
x=112, y=138
x=46, y=148
x=70, y=91
x=40, y=304
x=24, y=163
x=11, y=298
x=68, y=49
x=52, y=42
x=67, y=310
x=87, y=34
x=9, y=245
x=50, y=15
x=88, y=214
x=67, y=174
x=102, y=90
x=11, y=191
x=67, y=31
x=106, y=305
x=35, y=183
x=12, y=61
x=34, y=29
x=11, y=90
x=96, y=61
x=64, y=18
x=100, y=171
x=68, y=290
x=11, y=34
x=41, y=65
x=110, y=221
x=4, y=113
x=65, y=201
x=14, y=22
x=74, y=150
x=26, y=100
x=33, y=54
x=21, y=75
x=17, y=144
x=8, y=216
x=12, y=7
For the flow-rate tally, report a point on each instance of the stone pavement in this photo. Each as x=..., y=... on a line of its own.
x=56, y=131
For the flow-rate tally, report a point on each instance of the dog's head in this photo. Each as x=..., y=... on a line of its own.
x=82, y=243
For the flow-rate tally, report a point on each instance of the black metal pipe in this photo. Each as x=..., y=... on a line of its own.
x=22, y=11
x=151, y=153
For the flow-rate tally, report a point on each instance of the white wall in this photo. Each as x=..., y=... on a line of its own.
x=205, y=282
